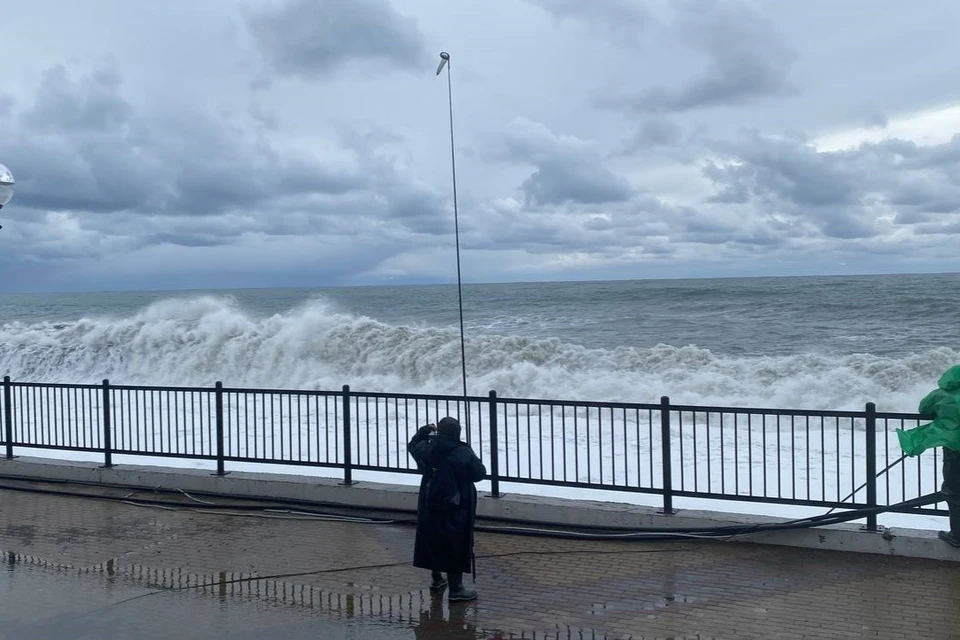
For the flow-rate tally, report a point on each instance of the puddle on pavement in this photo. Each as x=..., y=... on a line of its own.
x=114, y=600
x=43, y=600
x=648, y=604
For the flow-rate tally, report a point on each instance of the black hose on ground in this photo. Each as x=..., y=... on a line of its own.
x=274, y=508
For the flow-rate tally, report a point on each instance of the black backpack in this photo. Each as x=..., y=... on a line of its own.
x=443, y=493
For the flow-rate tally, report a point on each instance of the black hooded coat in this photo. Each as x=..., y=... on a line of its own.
x=444, y=540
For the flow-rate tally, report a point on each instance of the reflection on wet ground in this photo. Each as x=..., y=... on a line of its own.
x=42, y=602
x=76, y=567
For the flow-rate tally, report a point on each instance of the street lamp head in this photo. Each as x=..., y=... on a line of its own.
x=444, y=59
x=6, y=185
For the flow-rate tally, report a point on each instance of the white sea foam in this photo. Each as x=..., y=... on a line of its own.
x=197, y=341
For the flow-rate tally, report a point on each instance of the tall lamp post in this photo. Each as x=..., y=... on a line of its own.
x=445, y=62
x=6, y=186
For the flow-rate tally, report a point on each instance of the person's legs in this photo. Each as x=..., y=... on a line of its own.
x=437, y=580
x=951, y=491
x=953, y=537
x=459, y=593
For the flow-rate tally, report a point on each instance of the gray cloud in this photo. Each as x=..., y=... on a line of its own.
x=656, y=132
x=561, y=180
x=6, y=105
x=314, y=38
x=626, y=19
x=748, y=59
x=196, y=163
x=97, y=174
x=788, y=177
x=876, y=120
x=81, y=146
x=792, y=170
x=568, y=169
x=642, y=228
x=91, y=104
x=844, y=193
x=659, y=138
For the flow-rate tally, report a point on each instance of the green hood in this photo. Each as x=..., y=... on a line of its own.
x=950, y=381
x=943, y=403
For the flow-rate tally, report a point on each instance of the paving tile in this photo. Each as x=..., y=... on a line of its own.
x=552, y=588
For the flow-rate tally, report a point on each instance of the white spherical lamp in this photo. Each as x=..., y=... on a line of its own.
x=6, y=185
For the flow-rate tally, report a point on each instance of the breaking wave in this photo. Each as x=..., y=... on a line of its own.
x=197, y=341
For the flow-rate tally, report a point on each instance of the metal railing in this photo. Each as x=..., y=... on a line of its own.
x=790, y=457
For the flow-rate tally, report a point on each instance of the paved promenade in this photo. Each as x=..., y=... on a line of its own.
x=87, y=568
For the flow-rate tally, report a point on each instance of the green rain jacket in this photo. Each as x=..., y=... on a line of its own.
x=944, y=404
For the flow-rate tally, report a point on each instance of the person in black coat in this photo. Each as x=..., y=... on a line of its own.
x=447, y=504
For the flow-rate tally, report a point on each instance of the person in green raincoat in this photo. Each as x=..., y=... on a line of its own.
x=944, y=404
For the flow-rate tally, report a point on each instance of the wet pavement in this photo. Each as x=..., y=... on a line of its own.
x=49, y=604
x=76, y=567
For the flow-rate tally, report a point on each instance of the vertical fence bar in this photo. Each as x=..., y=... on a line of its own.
x=494, y=449
x=347, y=440
x=107, y=427
x=8, y=416
x=871, y=433
x=218, y=396
x=51, y=408
x=666, y=457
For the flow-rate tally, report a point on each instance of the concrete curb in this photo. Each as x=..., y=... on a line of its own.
x=913, y=543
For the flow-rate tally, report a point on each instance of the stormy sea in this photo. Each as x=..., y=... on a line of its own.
x=831, y=343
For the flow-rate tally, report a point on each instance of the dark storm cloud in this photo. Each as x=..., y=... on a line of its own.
x=6, y=105
x=81, y=147
x=789, y=169
x=924, y=195
x=626, y=19
x=655, y=132
x=661, y=139
x=844, y=193
x=314, y=38
x=101, y=178
x=938, y=228
x=420, y=211
x=561, y=180
x=91, y=104
x=569, y=170
x=285, y=139
x=876, y=120
x=789, y=177
x=643, y=225
x=747, y=59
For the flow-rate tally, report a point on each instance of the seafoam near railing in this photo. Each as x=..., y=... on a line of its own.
x=788, y=457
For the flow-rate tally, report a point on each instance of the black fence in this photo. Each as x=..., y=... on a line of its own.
x=791, y=457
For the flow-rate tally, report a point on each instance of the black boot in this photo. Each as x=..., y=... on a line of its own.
x=459, y=593
x=952, y=537
x=438, y=581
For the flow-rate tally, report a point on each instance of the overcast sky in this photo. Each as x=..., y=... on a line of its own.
x=226, y=143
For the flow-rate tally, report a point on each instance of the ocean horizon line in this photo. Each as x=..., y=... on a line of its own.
x=467, y=283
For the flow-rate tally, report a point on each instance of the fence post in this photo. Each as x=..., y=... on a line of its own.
x=8, y=416
x=347, y=440
x=218, y=396
x=494, y=449
x=871, y=433
x=666, y=457
x=107, y=428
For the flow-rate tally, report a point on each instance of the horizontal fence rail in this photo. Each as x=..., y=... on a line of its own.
x=790, y=457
